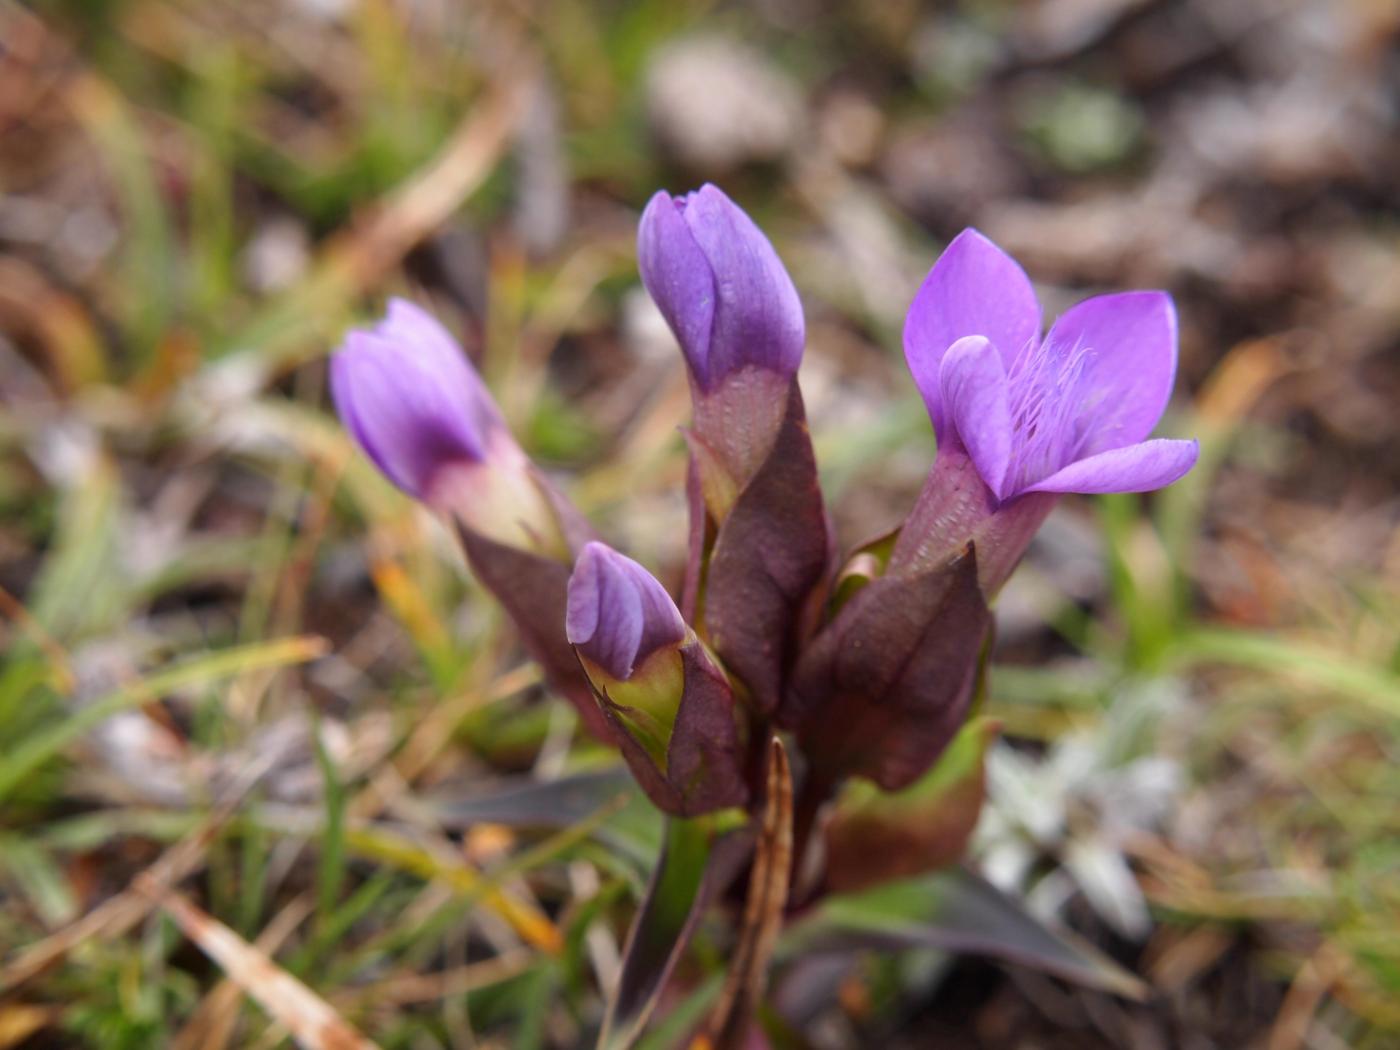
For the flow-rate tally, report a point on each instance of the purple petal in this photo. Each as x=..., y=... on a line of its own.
x=1129, y=342
x=618, y=614
x=408, y=323
x=757, y=313
x=1138, y=468
x=973, y=388
x=677, y=276
x=973, y=289
x=410, y=407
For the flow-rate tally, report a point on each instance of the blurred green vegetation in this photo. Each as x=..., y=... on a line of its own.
x=236, y=660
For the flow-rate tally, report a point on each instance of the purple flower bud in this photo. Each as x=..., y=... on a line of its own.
x=412, y=400
x=618, y=614
x=720, y=286
x=1067, y=413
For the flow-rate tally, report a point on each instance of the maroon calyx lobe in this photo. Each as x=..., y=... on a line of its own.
x=533, y=590
x=881, y=691
x=765, y=545
x=704, y=757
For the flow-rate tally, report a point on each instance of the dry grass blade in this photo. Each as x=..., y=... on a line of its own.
x=309, y=1018
x=21, y=1021
x=357, y=258
x=1310, y=987
x=211, y=1026
x=118, y=914
x=763, y=911
x=411, y=988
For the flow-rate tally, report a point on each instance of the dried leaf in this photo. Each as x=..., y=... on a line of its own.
x=19, y=1021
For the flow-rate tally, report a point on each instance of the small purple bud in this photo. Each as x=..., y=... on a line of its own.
x=412, y=400
x=720, y=286
x=618, y=614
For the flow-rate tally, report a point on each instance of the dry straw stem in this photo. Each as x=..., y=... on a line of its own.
x=358, y=258
x=413, y=988
x=309, y=1018
x=211, y=1025
x=763, y=911
x=114, y=916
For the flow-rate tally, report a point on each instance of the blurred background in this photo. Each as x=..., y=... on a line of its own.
x=227, y=643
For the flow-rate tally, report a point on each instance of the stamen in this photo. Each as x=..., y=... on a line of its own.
x=1050, y=406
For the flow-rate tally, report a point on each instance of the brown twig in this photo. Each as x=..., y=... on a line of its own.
x=763, y=911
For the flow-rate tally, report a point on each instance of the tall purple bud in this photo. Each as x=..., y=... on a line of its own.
x=670, y=707
x=414, y=403
x=720, y=286
x=760, y=543
x=1022, y=419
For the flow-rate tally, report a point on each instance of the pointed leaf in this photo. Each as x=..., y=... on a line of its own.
x=771, y=553
x=694, y=867
x=885, y=687
x=955, y=911
x=534, y=590
x=703, y=759
x=535, y=803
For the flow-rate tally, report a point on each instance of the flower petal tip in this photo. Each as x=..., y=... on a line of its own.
x=720, y=285
x=410, y=398
x=618, y=614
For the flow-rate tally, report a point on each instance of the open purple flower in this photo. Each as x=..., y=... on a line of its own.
x=1069, y=412
x=720, y=286
x=412, y=400
x=618, y=613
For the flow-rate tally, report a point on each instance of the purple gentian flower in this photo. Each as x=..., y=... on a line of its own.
x=618, y=613
x=1069, y=412
x=720, y=286
x=413, y=401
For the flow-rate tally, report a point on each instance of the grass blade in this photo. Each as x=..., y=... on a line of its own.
x=39, y=748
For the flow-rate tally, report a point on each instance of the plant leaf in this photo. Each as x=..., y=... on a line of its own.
x=533, y=590
x=875, y=836
x=31, y=753
x=885, y=687
x=704, y=767
x=770, y=553
x=694, y=866
x=955, y=911
x=520, y=802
